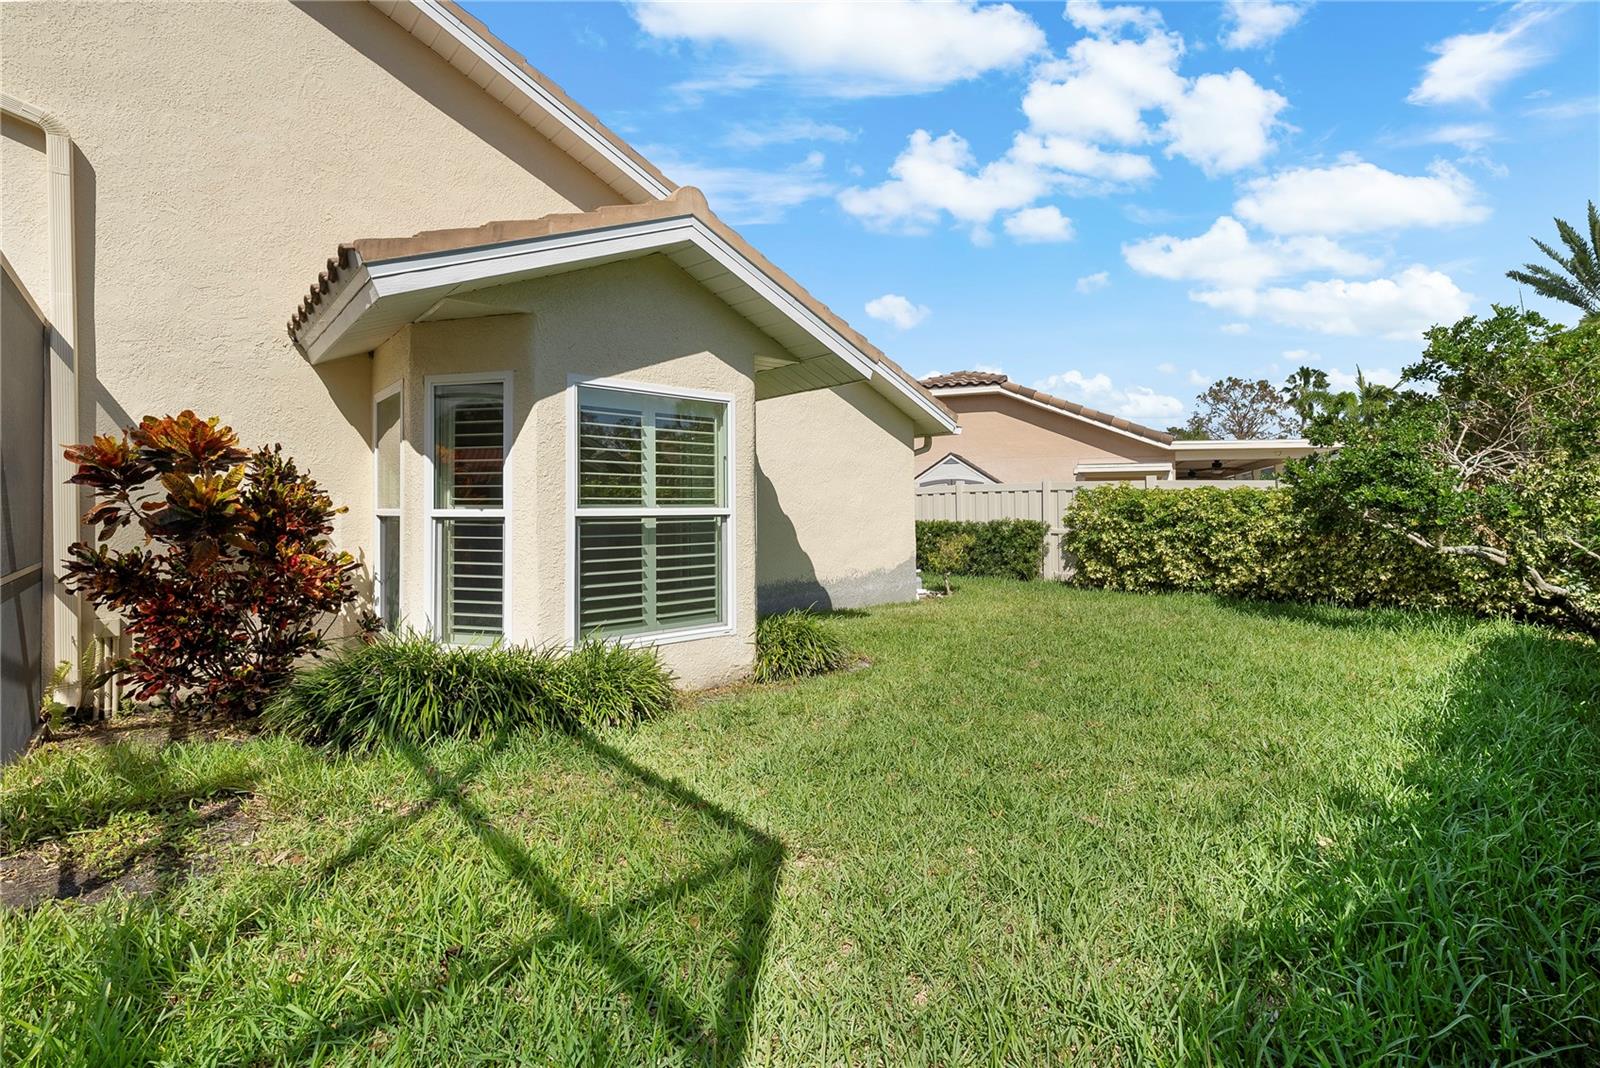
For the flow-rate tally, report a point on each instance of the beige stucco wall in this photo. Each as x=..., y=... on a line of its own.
x=224, y=150
x=836, y=504
x=585, y=323
x=24, y=202
x=1019, y=442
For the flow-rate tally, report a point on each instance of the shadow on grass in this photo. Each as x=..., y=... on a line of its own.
x=718, y=1037
x=86, y=788
x=1461, y=922
x=141, y=957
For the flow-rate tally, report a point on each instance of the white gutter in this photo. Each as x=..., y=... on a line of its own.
x=61, y=607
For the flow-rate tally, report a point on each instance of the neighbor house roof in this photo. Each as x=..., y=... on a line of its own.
x=374, y=286
x=956, y=456
x=989, y=381
x=502, y=72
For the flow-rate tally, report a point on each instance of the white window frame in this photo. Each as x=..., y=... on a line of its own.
x=729, y=624
x=433, y=513
x=380, y=513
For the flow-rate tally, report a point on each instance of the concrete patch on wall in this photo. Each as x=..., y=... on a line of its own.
x=855, y=590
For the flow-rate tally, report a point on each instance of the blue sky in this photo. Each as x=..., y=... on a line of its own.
x=1117, y=203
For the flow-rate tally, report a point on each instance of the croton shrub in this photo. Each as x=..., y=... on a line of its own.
x=234, y=577
x=1255, y=543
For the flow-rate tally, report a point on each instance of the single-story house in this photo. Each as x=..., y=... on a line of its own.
x=1011, y=433
x=606, y=414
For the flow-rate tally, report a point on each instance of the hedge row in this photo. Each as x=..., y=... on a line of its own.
x=1009, y=548
x=1254, y=543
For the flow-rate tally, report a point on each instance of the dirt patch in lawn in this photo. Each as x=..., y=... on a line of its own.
x=140, y=859
x=146, y=726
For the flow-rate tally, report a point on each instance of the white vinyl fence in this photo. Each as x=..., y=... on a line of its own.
x=1045, y=501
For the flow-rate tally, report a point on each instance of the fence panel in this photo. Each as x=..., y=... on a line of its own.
x=1047, y=501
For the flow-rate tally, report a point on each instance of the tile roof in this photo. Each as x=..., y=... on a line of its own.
x=685, y=200
x=963, y=379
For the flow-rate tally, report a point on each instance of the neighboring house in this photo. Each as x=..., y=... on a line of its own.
x=607, y=414
x=1010, y=433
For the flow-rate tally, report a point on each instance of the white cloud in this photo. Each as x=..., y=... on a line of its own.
x=1471, y=66
x=751, y=194
x=1580, y=108
x=1235, y=329
x=1468, y=136
x=1301, y=357
x=1093, y=283
x=1097, y=391
x=1356, y=197
x=746, y=135
x=1254, y=23
x=897, y=311
x=1383, y=376
x=1197, y=379
x=1037, y=225
x=1102, y=89
x=1096, y=18
x=1167, y=368
x=1401, y=306
x=850, y=49
x=936, y=175
x=1226, y=256
x=1080, y=157
x=1224, y=122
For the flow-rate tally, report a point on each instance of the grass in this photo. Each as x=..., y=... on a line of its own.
x=1046, y=825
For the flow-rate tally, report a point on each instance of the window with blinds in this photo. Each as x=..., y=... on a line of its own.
x=468, y=513
x=652, y=512
x=386, y=492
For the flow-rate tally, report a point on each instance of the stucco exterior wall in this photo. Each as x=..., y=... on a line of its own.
x=1019, y=442
x=224, y=151
x=585, y=323
x=835, y=501
x=24, y=201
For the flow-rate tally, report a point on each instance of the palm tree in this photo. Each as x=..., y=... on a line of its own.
x=1578, y=281
x=1307, y=393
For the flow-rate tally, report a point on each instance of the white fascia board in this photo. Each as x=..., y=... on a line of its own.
x=438, y=274
x=972, y=391
x=532, y=90
x=1228, y=445
x=1156, y=467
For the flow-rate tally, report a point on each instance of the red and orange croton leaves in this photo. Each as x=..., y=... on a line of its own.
x=235, y=577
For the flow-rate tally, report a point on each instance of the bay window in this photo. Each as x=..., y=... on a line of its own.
x=652, y=516
x=469, y=425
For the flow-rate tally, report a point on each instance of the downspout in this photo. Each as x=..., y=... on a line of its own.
x=64, y=622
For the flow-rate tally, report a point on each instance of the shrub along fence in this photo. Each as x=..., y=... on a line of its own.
x=1043, y=502
x=1258, y=544
x=1008, y=548
x=1233, y=538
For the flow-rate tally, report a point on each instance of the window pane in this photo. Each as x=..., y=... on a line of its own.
x=386, y=449
x=471, y=571
x=646, y=574
x=610, y=454
x=688, y=566
x=389, y=569
x=469, y=445
x=611, y=575
x=687, y=457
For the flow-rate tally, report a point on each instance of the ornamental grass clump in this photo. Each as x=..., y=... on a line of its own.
x=412, y=688
x=794, y=644
x=605, y=684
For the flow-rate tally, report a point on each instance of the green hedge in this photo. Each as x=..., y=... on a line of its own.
x=1254, y=543
x=1009, y=548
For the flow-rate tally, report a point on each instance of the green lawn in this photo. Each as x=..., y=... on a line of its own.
x=1045, y=825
